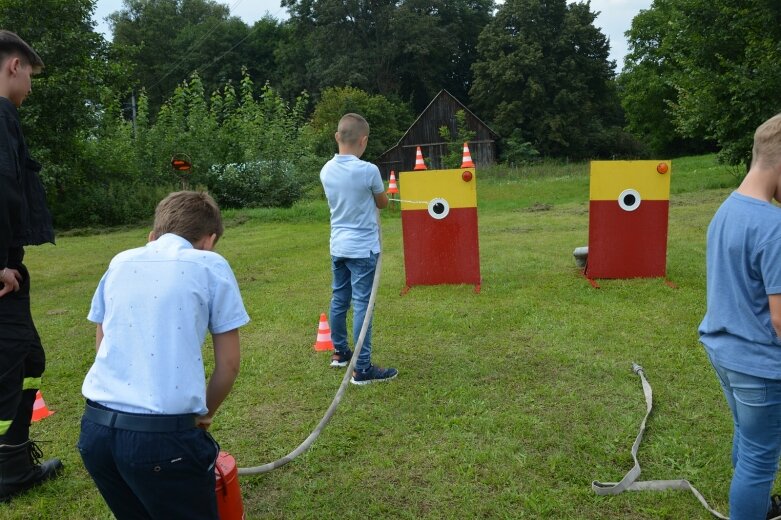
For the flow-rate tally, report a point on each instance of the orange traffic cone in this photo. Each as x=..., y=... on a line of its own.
x=39, y=408
x=419, y=164
x=392, y=187
x=323, y=342
x=466, y=160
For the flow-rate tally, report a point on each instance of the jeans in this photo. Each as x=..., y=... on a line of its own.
x=755, y=403
x=352, y=280
x=152, y=475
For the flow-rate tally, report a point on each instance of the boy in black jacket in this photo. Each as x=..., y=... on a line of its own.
x=24, y=220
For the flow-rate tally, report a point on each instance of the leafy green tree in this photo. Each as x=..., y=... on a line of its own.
x=168, y=40
x=387, y=120
x=410, y=49
x=455, y=140
x=64, y=107
x=543, y=75
x=704, y=70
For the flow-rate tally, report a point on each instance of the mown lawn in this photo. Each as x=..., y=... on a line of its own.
x=508, y=403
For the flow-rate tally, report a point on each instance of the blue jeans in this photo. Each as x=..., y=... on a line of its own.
x=353, y=278
x=756, y=443
x=152, y=475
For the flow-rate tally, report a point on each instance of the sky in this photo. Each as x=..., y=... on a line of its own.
x=614, y=19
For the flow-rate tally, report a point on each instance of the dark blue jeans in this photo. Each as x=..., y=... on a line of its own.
x=352, y=282
x=145, y=475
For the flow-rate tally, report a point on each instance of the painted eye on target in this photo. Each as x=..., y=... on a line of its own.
x=438, y=208
x=629, y=200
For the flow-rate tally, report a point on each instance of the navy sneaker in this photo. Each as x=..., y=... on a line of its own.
x=373, y=374
x=775, y=507
x=341, y=359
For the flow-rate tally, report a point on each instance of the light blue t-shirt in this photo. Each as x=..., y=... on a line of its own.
x=350, y=185
x=744, y=266
x=155, y=304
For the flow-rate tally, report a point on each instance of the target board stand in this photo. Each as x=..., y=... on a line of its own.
x=629, y=205
x=439, y=226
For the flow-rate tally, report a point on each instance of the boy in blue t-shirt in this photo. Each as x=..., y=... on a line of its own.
x=742, y=325
x=354, y=190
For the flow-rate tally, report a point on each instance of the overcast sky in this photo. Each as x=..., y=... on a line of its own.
x=615, y=17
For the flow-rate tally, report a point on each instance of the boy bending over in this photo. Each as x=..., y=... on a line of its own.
x=144, y=436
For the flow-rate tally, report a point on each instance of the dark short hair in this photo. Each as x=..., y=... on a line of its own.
x=190, y=214
x=11, y=44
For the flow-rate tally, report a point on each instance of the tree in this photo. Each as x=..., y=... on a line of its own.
x=409, y=49
x=707, y=69
x=544, y=77
x=387, y=120
x=65, y=103
x=168, y=40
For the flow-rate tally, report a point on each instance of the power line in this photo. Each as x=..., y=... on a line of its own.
x=193, y=47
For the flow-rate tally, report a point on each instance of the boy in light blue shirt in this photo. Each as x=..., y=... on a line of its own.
x=143, y=434
x=742, y=324
x=354, y=190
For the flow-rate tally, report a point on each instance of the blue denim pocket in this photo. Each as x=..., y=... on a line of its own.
x=750, y=394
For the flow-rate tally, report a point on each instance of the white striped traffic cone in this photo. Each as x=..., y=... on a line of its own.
x=40, y=411
x=419, y=164
x=323, y=342
x=466, y=158
x=392, y=187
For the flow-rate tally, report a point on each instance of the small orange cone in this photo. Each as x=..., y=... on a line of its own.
x=39, y=408
x=419, y=164
x=392, y=187
x=466, y=158
x=323, y=342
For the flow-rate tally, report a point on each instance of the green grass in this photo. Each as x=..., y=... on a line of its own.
x=508, y=403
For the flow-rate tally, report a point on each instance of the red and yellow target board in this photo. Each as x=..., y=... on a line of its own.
x=439, y=225
x=628, y=214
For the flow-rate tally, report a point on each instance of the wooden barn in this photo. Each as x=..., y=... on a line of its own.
x=424, y=132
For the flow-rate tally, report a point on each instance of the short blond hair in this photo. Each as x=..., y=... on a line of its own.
x=767, y=143
x=352, y=127
x=11, y=44
x=190, y=214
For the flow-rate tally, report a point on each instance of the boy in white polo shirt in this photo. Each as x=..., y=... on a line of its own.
x=354, y=191
x=143, y=434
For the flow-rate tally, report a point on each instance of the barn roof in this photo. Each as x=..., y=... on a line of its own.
x=422, y=115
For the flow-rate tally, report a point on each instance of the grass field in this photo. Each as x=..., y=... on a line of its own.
x=508, y=403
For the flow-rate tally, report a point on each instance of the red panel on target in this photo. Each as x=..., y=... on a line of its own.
x=441, y=251
x=623, y=244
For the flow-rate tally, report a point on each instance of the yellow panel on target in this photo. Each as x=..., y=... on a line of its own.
x=423, y=186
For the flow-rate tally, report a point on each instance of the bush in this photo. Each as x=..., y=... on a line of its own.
x=255, y=184
x=517, y=151
x=111, y=204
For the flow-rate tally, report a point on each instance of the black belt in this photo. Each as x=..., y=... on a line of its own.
x=139, y=422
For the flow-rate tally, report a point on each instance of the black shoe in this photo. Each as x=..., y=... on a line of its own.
x=21, y=469
x=775, y=507
x=341, y=359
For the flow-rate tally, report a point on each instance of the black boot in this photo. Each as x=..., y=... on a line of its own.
x=21, y=469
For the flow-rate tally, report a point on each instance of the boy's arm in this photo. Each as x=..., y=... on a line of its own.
x=226, y=368
x=381, y=200
x=775, y=312
x=98, y=336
